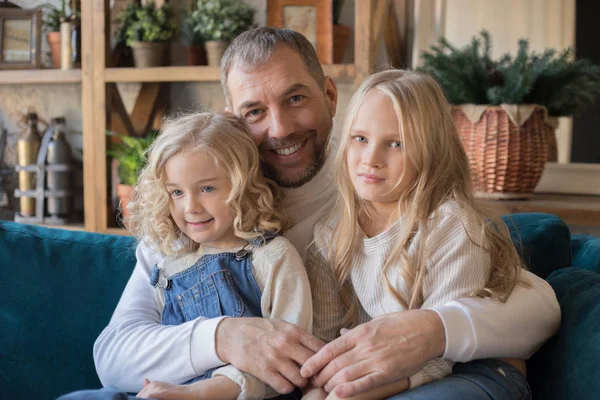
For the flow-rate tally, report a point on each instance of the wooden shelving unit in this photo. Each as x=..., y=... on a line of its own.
x=97, y=93
x=33, y=76
x=200, y=74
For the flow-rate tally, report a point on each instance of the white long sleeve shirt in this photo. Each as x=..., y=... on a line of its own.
x=135, y=346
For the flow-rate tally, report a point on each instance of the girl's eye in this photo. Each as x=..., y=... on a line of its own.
x=396, y=144
x=176, y=193
x=296, y=98
x=360, y=139
x=207, y=189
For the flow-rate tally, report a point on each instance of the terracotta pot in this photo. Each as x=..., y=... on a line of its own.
x=124, y=193
x=341, y=34
x=54, y=43
x=195, y=55
x=214, y=51
x=149, y=54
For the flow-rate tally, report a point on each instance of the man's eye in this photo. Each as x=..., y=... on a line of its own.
x=396, y=144
x=296, y=98
x=207, y=189
x=253, y=113
x=176, y=193
x=360, y=139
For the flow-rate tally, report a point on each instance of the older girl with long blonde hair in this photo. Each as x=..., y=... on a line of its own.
x=406, y=231
x=202, y=201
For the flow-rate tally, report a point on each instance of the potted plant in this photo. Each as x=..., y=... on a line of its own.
x=131, y=158
x=341, y=33
x=193, y=39
x=52, y=25
x=149, y=31
x=219, y=22
x=501, y=107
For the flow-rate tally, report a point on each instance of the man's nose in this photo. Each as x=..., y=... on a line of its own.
x=281, y=124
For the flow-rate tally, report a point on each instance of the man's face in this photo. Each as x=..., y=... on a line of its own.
x=288, y=114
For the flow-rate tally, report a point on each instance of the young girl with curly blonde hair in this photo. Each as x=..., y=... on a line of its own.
x=202, y=201
x=406, y=231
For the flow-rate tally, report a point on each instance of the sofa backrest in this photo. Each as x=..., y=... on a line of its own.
x=59, y=289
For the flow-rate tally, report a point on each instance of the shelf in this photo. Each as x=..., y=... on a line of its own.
x=198, y=74
x=574, y=210
x=30, y=76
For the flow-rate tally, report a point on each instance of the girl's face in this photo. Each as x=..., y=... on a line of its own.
x=198, y=190
x=375, y=153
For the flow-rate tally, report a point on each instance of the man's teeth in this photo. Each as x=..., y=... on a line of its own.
x=288, y=150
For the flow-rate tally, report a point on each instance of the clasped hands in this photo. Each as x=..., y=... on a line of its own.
x=385, y=350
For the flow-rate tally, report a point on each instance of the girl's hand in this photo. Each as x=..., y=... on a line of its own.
x=166, y=391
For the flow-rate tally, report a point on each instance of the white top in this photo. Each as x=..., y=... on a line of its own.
x=457, y=265
x=135, y=345
x=282, y=280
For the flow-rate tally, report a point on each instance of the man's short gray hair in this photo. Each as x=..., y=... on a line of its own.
x=255, y=47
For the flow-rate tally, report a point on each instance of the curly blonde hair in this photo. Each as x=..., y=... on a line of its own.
x=253, y=199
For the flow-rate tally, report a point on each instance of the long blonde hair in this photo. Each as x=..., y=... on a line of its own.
x=432, y=145
x=252, y=199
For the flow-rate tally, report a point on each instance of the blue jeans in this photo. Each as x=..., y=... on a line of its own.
x=489, y=379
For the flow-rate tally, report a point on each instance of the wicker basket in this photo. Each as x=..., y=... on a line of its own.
x=507, y=160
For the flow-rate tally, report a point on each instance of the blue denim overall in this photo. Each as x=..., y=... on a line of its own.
x=216, y=285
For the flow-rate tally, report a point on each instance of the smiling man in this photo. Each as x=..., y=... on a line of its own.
x=272, y=79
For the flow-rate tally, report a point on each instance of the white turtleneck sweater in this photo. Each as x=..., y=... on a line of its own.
x=135, y=345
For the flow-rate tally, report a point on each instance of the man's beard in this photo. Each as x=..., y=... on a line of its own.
x=312, y=168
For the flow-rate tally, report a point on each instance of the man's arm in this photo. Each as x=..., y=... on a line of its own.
x=395, y=346
x=135, y=346
x=479, y=328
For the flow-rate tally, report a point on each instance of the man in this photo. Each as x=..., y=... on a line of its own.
x=273, y=80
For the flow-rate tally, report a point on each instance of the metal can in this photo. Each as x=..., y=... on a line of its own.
x=58, y=180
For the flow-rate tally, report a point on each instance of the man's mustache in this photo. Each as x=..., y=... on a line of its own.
x=290, y=140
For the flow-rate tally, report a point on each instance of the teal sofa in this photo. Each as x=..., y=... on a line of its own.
x=59, y=289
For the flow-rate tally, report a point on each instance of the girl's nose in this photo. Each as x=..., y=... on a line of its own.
x=372, y=158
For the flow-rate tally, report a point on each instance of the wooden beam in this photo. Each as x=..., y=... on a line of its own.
x=364, y=57
x=120, y=121
x=141, y=116
x=94, y=46
x=380, y=14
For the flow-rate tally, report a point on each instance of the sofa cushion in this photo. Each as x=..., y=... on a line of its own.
x=543, y=241
x=59, y=289
x=566, y=366
x=586, y=252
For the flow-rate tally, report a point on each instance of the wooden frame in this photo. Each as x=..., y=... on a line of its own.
x=312, y=18
x=34, y=41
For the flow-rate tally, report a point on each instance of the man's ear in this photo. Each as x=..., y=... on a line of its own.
x=228, y=110
x=331, y=94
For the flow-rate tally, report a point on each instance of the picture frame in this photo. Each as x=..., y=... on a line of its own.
x=312, y=18
x=20, y=38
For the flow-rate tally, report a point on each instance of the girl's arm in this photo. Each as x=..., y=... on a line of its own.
x=135, y=346
x=218, y=388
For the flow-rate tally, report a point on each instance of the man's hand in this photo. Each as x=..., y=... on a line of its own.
x=384, y=350
x=272, y=350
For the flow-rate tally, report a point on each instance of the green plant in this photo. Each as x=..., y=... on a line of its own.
x=56, y=15
x=131, y=155
x=221, y=19
x=190, y=31
x=147, y=23
x=556, y=80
